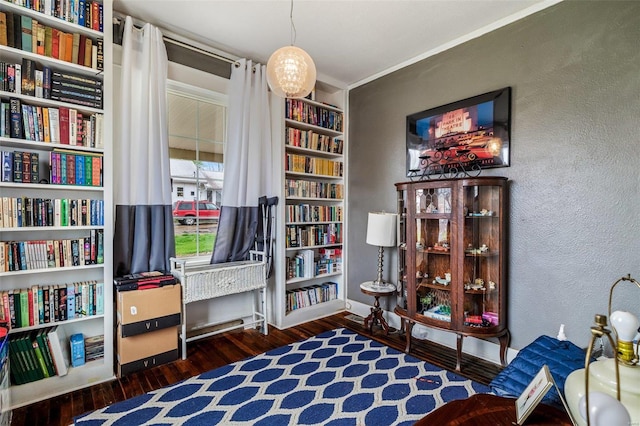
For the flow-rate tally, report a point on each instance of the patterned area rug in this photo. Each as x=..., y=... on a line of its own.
x=336, y=378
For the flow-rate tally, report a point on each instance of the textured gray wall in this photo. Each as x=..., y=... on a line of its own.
x=575, y=200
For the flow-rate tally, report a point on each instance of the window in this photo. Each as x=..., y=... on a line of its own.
x=197, y=132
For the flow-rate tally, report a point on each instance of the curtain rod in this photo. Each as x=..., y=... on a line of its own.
x=138, y=23
x=197, y=49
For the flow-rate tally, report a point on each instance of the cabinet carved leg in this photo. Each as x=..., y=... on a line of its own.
x=504, y=345
x=459, y=351
x=409, y=326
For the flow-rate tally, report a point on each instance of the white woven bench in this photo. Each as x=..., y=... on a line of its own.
x=203, y=281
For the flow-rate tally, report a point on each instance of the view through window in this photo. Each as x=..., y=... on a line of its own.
x=197, y=133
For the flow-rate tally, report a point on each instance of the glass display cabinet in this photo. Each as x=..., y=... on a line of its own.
x=452, y=258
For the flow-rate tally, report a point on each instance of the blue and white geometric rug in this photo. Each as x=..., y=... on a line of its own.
x=336, y=378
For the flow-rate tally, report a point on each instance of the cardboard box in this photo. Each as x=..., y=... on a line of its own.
x=148, y=362
x=142, y=311
x=147, y=349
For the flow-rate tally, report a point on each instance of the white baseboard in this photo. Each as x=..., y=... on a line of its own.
x=479, y=348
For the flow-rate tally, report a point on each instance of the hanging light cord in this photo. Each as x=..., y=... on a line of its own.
x=293, y=27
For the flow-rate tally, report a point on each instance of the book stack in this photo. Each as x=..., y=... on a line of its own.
x=309, y=139
x=66, y=167
x=312, y=189
x=93, y=348
x=86, y=13
x=20, y=166
x=330, y=261
x=38, y=354
x=302, y=265
x=312, y=213
x=308, y=296
x=61, y=125
x=45, y=254
x=27, y=34
x=45, y=304
x=313, y=235
x=144, y=280
x=75, y=168
x=311, y=165
x=25, y=212
x=305, y=112
x=76, y=89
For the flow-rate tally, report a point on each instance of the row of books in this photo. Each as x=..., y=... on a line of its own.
x=48, y=254
x=301, y=265
x=27, y=34
x=62, y=125
x=20, y=167
x=312, y=213
x=44, y=304
x=86, y=13
x=304, y=112
x=69, y=168
x=330, y=260
x=65, y=168
x=312, y=295
x=94, y=348
x=312, y=165
x=313, y=235
x=314, y=189
x=24, y=212
x=313, y=140
x=38, y=354
x=307, y=265
x=31, y=79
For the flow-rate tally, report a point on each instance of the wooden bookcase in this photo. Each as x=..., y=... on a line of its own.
x=310, y=239
x=452, y=258
x=41, y=187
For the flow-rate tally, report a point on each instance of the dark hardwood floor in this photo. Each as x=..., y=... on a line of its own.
x=207, y=354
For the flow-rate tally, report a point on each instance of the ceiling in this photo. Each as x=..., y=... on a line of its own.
x=351, y=42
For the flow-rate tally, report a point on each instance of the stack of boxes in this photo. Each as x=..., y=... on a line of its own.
x=147, y=333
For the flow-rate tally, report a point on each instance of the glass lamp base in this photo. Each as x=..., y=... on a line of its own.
x=602, y=379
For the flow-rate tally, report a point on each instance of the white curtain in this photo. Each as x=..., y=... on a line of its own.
x=144, y=238
x=248, y=152
x=248, y=161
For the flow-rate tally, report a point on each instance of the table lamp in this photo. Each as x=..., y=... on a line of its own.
x=381, y=232
x=607, y=391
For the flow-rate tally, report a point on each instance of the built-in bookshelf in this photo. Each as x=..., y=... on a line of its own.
x=310, y=241
x=56, y=221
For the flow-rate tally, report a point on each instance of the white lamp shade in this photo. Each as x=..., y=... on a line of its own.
x=291, y=72
x=381, y=229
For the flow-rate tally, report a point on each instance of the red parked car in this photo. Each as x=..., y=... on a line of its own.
x=186, y=212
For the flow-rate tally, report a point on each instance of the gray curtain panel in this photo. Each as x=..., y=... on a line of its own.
x=143, y=240
x=247, y=162
x=237, y=229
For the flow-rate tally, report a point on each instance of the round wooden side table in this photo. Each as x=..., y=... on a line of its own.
x=376, y=290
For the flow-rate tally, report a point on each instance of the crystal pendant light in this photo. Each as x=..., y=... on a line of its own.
x=291, y=72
